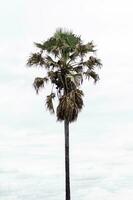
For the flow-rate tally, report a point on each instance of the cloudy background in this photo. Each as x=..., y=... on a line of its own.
x=31, y=141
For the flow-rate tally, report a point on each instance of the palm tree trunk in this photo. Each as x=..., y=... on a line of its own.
x=67, y=169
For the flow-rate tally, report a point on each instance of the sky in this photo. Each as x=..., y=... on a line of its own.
x=108, y=111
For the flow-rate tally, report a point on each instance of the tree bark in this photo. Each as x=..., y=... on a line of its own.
x=67, y=167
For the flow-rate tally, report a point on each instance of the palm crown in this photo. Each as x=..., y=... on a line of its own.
x=67, y=61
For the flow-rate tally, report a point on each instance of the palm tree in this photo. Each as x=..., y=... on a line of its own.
x=66, y=61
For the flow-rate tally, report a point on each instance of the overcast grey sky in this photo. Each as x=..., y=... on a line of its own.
x=102, y=137
x=108, y=105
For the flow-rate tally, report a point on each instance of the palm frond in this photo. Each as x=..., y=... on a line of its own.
x=67, y=37
x=82, y=49
x=90, y=47
x=76, y=78
x=76, y=96
x=69, y=106
x=95, y=61
x=39, y=83
x=73, y=56
x=49, y=102
x=35, y=59
x=49, y=62
x=92, y=62
x=55, y=77
x=39, y=45
x=50, y=46
x=62, y=42
x=67, y=109
x=91, y=74
x=78, y=69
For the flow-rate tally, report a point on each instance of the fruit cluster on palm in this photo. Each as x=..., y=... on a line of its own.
x=66, y=61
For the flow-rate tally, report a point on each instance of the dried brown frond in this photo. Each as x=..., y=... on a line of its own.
x=39, y=83
x=56, y=79
x=35, y=59
x=70, y=105
x=77, y=94
x=95, y=61
x=49, y=102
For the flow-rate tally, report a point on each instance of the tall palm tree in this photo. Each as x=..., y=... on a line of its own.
x=66, y=61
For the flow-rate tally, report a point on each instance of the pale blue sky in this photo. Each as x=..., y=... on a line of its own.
x=108, y=105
